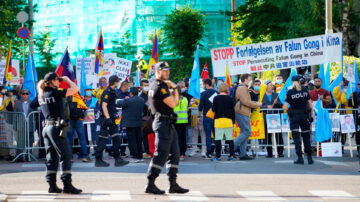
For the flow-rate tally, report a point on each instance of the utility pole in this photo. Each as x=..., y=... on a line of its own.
x=31, y=36
x=328, y=13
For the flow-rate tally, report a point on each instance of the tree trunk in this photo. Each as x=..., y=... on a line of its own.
x=31, y=18
x=345, y=24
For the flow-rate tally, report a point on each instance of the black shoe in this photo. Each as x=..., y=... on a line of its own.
x=120, y=162
x=269, y=156
x=101, y=163
x=281, y=155
x=151, y=188
x=300, y=160
x=176, y=189
x=53, y=188
x=246, y=157
x=310, y=160
x=70, y=189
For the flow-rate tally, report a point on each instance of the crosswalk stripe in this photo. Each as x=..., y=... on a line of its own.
x=190, y=196
x=260, y=195
x=331, y=194
x=35, y=196
x=105, y=195
x=3, y=197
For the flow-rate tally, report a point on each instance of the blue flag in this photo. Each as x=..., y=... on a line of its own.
x=322, y=77
x=83, y=85
x=327, y=77
x=355, y=85
x=323, y=122
x=287, y=84
x=349, y=91
x=335, y=83
x=137, y=79
x=194, y=83
x=30, y=78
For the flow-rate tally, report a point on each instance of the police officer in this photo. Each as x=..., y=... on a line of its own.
x=56, y=144
x=108, y=126
x=300, y=113
x=162, y=104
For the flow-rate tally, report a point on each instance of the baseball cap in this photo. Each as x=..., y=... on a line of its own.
x=113, y=79
x=267, y=82
x=295, y=78
x=162, y=66
x=51, y=76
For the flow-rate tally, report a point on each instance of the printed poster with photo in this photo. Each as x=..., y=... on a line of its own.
x=273, y=123
x=89, y=116
x=347, y=123
x=285, y=123
x=335, y=121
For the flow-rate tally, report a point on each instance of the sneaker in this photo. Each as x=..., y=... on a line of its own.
x=132, y=160
x=193, y=153
x=120, y=162
x=182, y=157
x=246, y=157
x=208, y=156
x=86, y=160
x=203, y=154
x=215, y=159
x=101, y=163
x=146, y=156
x=141, y=160
x=231, y=158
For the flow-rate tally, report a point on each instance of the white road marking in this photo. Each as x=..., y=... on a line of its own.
x=332, y=194
x=3, y=197
x=190, y=196
x=260, y=196
x=284, y=161
x=35, y=196
x=105, y=195
x=334, y=163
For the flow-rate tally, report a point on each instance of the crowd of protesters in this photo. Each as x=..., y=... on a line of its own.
x=197, y=132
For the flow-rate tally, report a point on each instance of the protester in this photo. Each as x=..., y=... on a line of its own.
x=196, y=129
x=279, y=83
x=243, y=110
x=99, y=91
x=206, y=100
x=90, y=102
x=255, y=92
x=123, y=93
x=223, y=108
x=132, y=113
x=271, y=101
x=181, y=110
x=144, y=86
x=324, y=95
x=142, y=66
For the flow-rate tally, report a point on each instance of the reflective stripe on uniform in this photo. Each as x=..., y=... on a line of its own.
x=114, y=135
x=296, y=130
x=104, y=137
x=182, y=119
x=181, y=112
x=66, y=172
x=155, y=166
x=306, y=131
x=172, y=166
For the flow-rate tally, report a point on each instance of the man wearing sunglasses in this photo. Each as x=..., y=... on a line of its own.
x=23, y=106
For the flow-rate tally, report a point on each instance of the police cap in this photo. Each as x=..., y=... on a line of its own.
x=113, y=79
x=162, y=66
x=51, y=76
x=295, y=78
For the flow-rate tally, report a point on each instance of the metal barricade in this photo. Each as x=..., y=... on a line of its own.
x=13, y=134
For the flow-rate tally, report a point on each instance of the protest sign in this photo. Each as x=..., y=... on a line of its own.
x=15, y=73
x=109, y=65
x=275, y=55
x=2, y=72
x=89, y=69
x=122, y=68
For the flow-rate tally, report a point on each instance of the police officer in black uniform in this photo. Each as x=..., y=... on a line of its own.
x=108, y=126
x=162, y=104
x=56, y=144
x=300, y=115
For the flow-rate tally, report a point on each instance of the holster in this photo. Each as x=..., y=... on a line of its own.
x=63, y=126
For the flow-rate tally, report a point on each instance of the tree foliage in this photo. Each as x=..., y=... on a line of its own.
x=123, y=48
x=45, y=49
x=183, y=30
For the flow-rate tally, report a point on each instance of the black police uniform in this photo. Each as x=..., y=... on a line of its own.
x=108, y=127
x=57, y=148
x=299, y=118
x=56, y=144
x=166, y=142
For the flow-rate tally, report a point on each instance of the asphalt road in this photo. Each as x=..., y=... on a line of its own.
x=329, y=179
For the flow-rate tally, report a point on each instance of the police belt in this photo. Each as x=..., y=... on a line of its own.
x=171, y=116
x=51, y=123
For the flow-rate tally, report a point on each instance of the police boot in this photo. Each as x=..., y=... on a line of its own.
x=53, y=188
x=176, y=189
x=120, y=162
x=300, y=160
x=310, y=160
x=100, y=163
x=70, y=189
x=151, y=188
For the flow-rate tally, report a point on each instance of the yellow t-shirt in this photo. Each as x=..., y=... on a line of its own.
x=223, y=123
x=97, y=93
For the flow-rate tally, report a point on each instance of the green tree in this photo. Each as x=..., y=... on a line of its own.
x=45, y=48
x=123, y=48
x=183, y=30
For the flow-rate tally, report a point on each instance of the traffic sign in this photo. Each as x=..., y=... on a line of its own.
x=22, y=17
x=23, y=32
